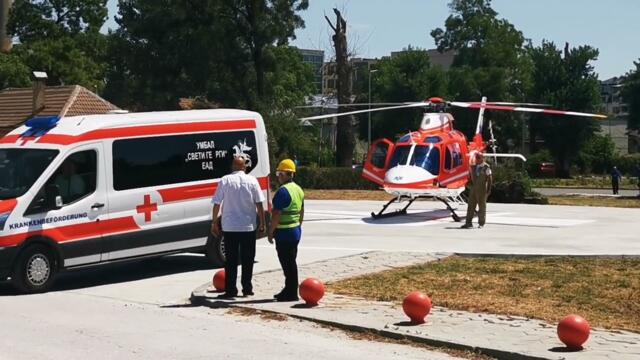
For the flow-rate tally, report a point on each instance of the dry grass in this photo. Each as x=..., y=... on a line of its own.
x=264, y=315
x=312, y=194
x=594, y=201
x=606, y=291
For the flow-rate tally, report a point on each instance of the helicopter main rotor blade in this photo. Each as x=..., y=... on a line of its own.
x=328, y=116
x=510, y=103
x=523, y=109
x=333, y=106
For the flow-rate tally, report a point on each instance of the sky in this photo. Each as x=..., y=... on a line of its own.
x=377, y=27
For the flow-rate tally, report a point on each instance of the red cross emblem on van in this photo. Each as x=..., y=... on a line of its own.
x=147, y=208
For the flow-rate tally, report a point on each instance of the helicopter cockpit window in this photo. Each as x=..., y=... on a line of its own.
x=426, y=157
x=447, y=159
x=379, y=156
x=432, y=139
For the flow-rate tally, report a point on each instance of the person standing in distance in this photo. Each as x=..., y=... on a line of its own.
x=286, y=227
x=241, y=197
x=481, y=181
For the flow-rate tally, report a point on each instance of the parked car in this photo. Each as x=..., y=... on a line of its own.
x=547, y=169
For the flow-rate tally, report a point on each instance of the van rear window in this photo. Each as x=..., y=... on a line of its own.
x=164, y=160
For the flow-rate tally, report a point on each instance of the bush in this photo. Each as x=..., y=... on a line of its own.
x=628, y=164
x=332, y=178
x=510, y=186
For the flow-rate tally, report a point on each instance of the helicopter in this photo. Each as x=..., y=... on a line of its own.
x=433, y=161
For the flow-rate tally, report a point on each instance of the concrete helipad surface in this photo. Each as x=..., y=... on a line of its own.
x=511, y=229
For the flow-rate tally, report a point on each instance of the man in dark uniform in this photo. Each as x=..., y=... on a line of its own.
x=616, y=176
x=481, y=180
x=286, y=227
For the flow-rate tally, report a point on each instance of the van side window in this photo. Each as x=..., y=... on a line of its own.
x=174, y=159
x=74, y=179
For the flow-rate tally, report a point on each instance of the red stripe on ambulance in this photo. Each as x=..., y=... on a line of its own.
x=135, y=131
x=67, y=233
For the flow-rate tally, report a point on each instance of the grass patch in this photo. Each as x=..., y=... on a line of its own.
x=606, y=291
x=311, y=194
x=594, y=201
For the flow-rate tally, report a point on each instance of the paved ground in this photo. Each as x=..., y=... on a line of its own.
x=511, y=229
x=117, y=302
x=565, y=191
x=500, y=336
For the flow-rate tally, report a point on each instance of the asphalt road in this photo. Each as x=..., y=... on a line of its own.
x=565, y=191
x=139, y=311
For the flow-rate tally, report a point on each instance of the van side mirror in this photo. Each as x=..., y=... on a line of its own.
x=53, y=198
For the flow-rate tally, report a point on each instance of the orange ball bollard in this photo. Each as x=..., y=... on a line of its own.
x=219, y=280
x=417, y=306
x=573, y=331
x=311, y=291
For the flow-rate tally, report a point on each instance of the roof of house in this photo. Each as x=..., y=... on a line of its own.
x=16, y=104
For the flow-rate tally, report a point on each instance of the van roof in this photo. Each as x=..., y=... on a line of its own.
x=76, y=126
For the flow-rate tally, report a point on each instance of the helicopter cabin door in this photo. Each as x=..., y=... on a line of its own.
x=377, y=161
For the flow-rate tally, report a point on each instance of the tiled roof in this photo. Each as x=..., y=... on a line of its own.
x=16, y=104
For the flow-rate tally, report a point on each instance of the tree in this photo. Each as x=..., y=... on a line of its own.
x=631, y=96
x=62, y=38
x=13, y=72
x=222, y=50
x=345, y=137
x=408, y=76
x=566, y=80
x=490, y=61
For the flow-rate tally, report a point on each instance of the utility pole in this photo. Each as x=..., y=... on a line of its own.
x=369, y=114
x=5, y=39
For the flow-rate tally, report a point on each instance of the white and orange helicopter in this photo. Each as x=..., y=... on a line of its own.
x=433, y=162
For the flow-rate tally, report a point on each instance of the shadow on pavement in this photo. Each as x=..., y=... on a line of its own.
x=563, y=349
x=122, y=272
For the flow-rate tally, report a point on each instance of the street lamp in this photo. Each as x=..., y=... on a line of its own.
x=369, y=114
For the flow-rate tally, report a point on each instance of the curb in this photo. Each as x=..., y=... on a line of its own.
x=201, y=300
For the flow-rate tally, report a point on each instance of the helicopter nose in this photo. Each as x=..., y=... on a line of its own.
x=407, y=174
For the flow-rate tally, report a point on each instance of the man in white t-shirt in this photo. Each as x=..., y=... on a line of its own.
x=241, y=197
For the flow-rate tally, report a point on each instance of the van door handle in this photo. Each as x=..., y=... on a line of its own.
x=97, y=206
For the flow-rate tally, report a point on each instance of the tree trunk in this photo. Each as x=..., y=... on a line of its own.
x=345, y=139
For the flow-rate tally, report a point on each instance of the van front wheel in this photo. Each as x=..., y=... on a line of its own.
x=35, y=269
x=215, y=251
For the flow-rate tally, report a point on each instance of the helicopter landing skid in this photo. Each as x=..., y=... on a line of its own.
x=455, y=216
x=403, y=211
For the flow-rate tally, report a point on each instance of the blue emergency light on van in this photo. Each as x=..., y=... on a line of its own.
x=39, y=126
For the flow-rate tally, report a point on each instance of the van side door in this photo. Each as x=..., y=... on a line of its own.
x=71, y=205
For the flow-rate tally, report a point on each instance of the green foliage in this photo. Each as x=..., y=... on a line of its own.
x=332, y=178
x=631, y=96
x=60, y=37
x=565, y=80
x=13, y=72
x=223, y=50
x=598, y=155
x=510, y=186
x=406, y=77
x=490, y=61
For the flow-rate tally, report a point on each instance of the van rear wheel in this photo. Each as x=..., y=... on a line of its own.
x=35, y=269
x=215, y=251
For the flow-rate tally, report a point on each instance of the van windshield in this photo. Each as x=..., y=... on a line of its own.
x=20, y=168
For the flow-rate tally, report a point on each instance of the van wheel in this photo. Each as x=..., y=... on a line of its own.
x=35, y=269
x=215, y=251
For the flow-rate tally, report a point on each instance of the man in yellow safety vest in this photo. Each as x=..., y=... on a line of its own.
x=286, y=227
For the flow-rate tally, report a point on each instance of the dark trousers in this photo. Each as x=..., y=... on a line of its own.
x=287, y=253
x=615, y=184
x=239, y=245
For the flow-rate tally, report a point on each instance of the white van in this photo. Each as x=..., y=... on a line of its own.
x=86, y=190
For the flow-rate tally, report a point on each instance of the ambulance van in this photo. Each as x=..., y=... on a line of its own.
x=86, y=190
